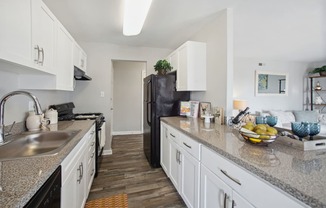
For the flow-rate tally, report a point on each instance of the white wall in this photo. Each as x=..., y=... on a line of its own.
x=127, y=97
x=244, y=84
x=218, y=36
x=99, y=56
x=16, y=107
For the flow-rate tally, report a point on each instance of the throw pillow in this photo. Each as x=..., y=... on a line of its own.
x=308, y=116
x=283, y=117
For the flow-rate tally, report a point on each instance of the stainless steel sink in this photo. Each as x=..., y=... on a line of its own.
x=36, y=144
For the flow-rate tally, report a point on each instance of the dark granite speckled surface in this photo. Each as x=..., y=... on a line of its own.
x=301, y=174
x=21, y=178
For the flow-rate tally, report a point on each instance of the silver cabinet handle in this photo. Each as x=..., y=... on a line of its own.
x=92, y=155
x=226, y=197
x=92, y=172
x=37, y=58
x=230, y=177
x=79, y=178
x=187, y=145
x=179, y=156
x=233, y=204
x=82, y=170
x=42, y=51
x=92, y=144
x=172, y=135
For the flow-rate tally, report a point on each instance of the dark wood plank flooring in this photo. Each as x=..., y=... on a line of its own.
x=127, y=171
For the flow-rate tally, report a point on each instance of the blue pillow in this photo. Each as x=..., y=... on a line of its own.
x=308, y=116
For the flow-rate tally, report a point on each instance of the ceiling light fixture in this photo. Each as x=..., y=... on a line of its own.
x=135, y=12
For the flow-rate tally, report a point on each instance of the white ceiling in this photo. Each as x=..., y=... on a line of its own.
x=292, y=30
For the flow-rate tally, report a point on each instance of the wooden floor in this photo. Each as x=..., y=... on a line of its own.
x=127, y=171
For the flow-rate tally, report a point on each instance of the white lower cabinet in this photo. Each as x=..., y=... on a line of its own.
x=215, y=193
x=205, y=179
x=247, y=189
x=165, y=149
x=75, y=173
x=184, y=168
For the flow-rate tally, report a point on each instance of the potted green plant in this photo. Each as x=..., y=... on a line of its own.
x=320, y=70
x=162, y=67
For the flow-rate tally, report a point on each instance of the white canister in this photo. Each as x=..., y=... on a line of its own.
x=33, y=122
x=52, y=115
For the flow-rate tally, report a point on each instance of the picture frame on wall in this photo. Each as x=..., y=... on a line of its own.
x=203, y=108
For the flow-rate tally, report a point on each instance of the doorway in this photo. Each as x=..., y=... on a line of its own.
x=127, y=96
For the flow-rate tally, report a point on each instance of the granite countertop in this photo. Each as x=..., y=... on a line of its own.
x=21, y=178
x=301, y=174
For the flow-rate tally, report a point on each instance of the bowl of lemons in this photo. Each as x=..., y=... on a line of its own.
x=258, y=134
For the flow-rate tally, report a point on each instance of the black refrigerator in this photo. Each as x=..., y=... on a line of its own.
x=160, y=99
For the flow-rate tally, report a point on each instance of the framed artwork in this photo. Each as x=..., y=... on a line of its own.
x=194, y=105
x=262, y=81
x=184, y=108
x=218, y=113
x=204, y=107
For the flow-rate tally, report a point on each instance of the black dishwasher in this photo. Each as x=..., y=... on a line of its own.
x=49, y=194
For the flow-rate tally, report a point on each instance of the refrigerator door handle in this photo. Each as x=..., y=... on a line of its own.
x=148, y=102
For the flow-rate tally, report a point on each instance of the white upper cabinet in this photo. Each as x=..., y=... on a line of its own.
x=64, y=60
x=35, y=44
x=189, y=60
x=43, y=36
x=80, y=57
x=15, y=35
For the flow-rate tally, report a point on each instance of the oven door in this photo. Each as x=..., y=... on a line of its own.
x=102, y=138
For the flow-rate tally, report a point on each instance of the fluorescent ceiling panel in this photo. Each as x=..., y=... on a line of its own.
x=135, y=12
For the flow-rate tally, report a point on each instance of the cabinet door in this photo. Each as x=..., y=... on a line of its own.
x=213, y=191
x=15, y=35
x=174, y=60
x=165, y=149
x=64, y=60
x=68, y=189
x=182, y=73
x=43, y=36
x=239, y=202
x=81, y=183
x=174, y=164
x=83, y=61
x=190, y=170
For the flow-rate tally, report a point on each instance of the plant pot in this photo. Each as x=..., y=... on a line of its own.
x=161, y=72
x=323, y=73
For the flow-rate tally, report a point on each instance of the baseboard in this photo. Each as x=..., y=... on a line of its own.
x=107, y=152
x=115, y=133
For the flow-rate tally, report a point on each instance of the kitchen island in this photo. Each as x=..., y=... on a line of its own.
x=21, y=178
x=300, y=174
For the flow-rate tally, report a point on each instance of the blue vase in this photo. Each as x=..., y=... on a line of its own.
x=271, y=120
x=314, y=129
x=301, y=129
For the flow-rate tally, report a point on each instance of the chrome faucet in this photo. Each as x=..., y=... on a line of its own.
x=2, y=108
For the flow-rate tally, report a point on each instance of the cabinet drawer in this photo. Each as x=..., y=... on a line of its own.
x=173, y=134
x=246, y=184
x=190, y=145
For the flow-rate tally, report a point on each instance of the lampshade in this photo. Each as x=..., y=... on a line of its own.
x=239, y=104
x=135, y=12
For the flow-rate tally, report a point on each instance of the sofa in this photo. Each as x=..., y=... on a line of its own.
x=286, y=117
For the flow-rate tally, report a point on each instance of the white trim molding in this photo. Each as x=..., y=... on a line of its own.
x=126, y=133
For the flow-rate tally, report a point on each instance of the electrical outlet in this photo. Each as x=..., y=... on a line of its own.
x=30, y=106
x=102, y=93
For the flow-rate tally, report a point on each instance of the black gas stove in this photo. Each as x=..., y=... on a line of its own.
x=65, y=113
